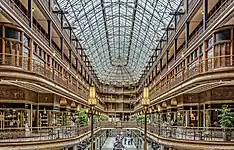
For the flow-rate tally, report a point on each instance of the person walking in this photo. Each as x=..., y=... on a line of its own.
x=125, y=140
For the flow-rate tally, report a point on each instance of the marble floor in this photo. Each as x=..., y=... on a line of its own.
x=110, y=142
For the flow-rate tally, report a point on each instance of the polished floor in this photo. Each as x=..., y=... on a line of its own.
x=110, y=142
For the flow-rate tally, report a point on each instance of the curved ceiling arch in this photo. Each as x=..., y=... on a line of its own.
x=119, y=35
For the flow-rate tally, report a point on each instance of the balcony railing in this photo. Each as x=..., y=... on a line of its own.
x=207, y=65
x=224, y=6
x=19, y=13
x=41, y=133
x=40, y=34
x=162, y=130
x=190, y=133
x=42, y=69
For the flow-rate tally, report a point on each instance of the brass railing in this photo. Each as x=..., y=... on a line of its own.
x=43, y=69
x=162, y=130
x=224, y=6
x=41, y=133
x=40, y=34
x=208, y=65
x=17, y=10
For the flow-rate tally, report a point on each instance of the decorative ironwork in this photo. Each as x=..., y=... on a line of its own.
x=119, y=36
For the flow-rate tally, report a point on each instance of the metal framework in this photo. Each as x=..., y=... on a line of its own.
x=119, y=36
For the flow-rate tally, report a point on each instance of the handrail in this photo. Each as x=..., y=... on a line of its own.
x=202, y=66
x=40, y=68
x=41, y=133
x=18, y=11
x=163, y=130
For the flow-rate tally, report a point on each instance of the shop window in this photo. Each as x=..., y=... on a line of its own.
x=12, y=33
x=192, y=56
x=45, y=56
x=34, y=48
x=38, y=60
x=26, y=41
x=210, y=42
x=39, y=51
x=26, y=52
x=196, y=53
x=42, y=54
x=26, y=45
x=201, y=49
x=223, y=35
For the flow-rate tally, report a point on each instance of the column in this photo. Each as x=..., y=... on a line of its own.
x=31, y=116
x=175, y=48
x=204, y=57
x=30, y=13
x=77, y=69
x=61, y=46
x=3, y=45
x=31, y=55
x=186, y=118
x=49, y=23
x=167, y=58
x=186, y=34
x=204, y=115
x=70, y=53
x=231, y=46
x=205, y=13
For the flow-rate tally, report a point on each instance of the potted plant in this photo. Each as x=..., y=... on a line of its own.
x=82, y=117
x=226, y=122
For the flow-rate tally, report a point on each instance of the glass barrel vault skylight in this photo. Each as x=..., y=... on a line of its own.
x=119, y=36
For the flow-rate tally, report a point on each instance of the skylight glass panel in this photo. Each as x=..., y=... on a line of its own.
x=118, y=35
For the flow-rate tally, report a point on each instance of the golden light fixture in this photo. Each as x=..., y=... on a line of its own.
x=164, y=104
x=92, y=96
x=73, y=105
x=145, y=100
x=63, y=101
x=174, y=102
x=150, y=110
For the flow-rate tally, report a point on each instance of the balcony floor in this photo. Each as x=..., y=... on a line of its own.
x=110, y=142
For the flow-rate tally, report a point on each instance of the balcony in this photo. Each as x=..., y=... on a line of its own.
x=41, y=69
x=18, y=12
x=175, y=136
x=183, y=71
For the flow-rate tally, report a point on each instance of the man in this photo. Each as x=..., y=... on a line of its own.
x=125, y=140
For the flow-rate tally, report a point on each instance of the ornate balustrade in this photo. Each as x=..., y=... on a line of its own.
x=41, y=68
x=187, y=72
x=162, y=130
x=41, y=133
